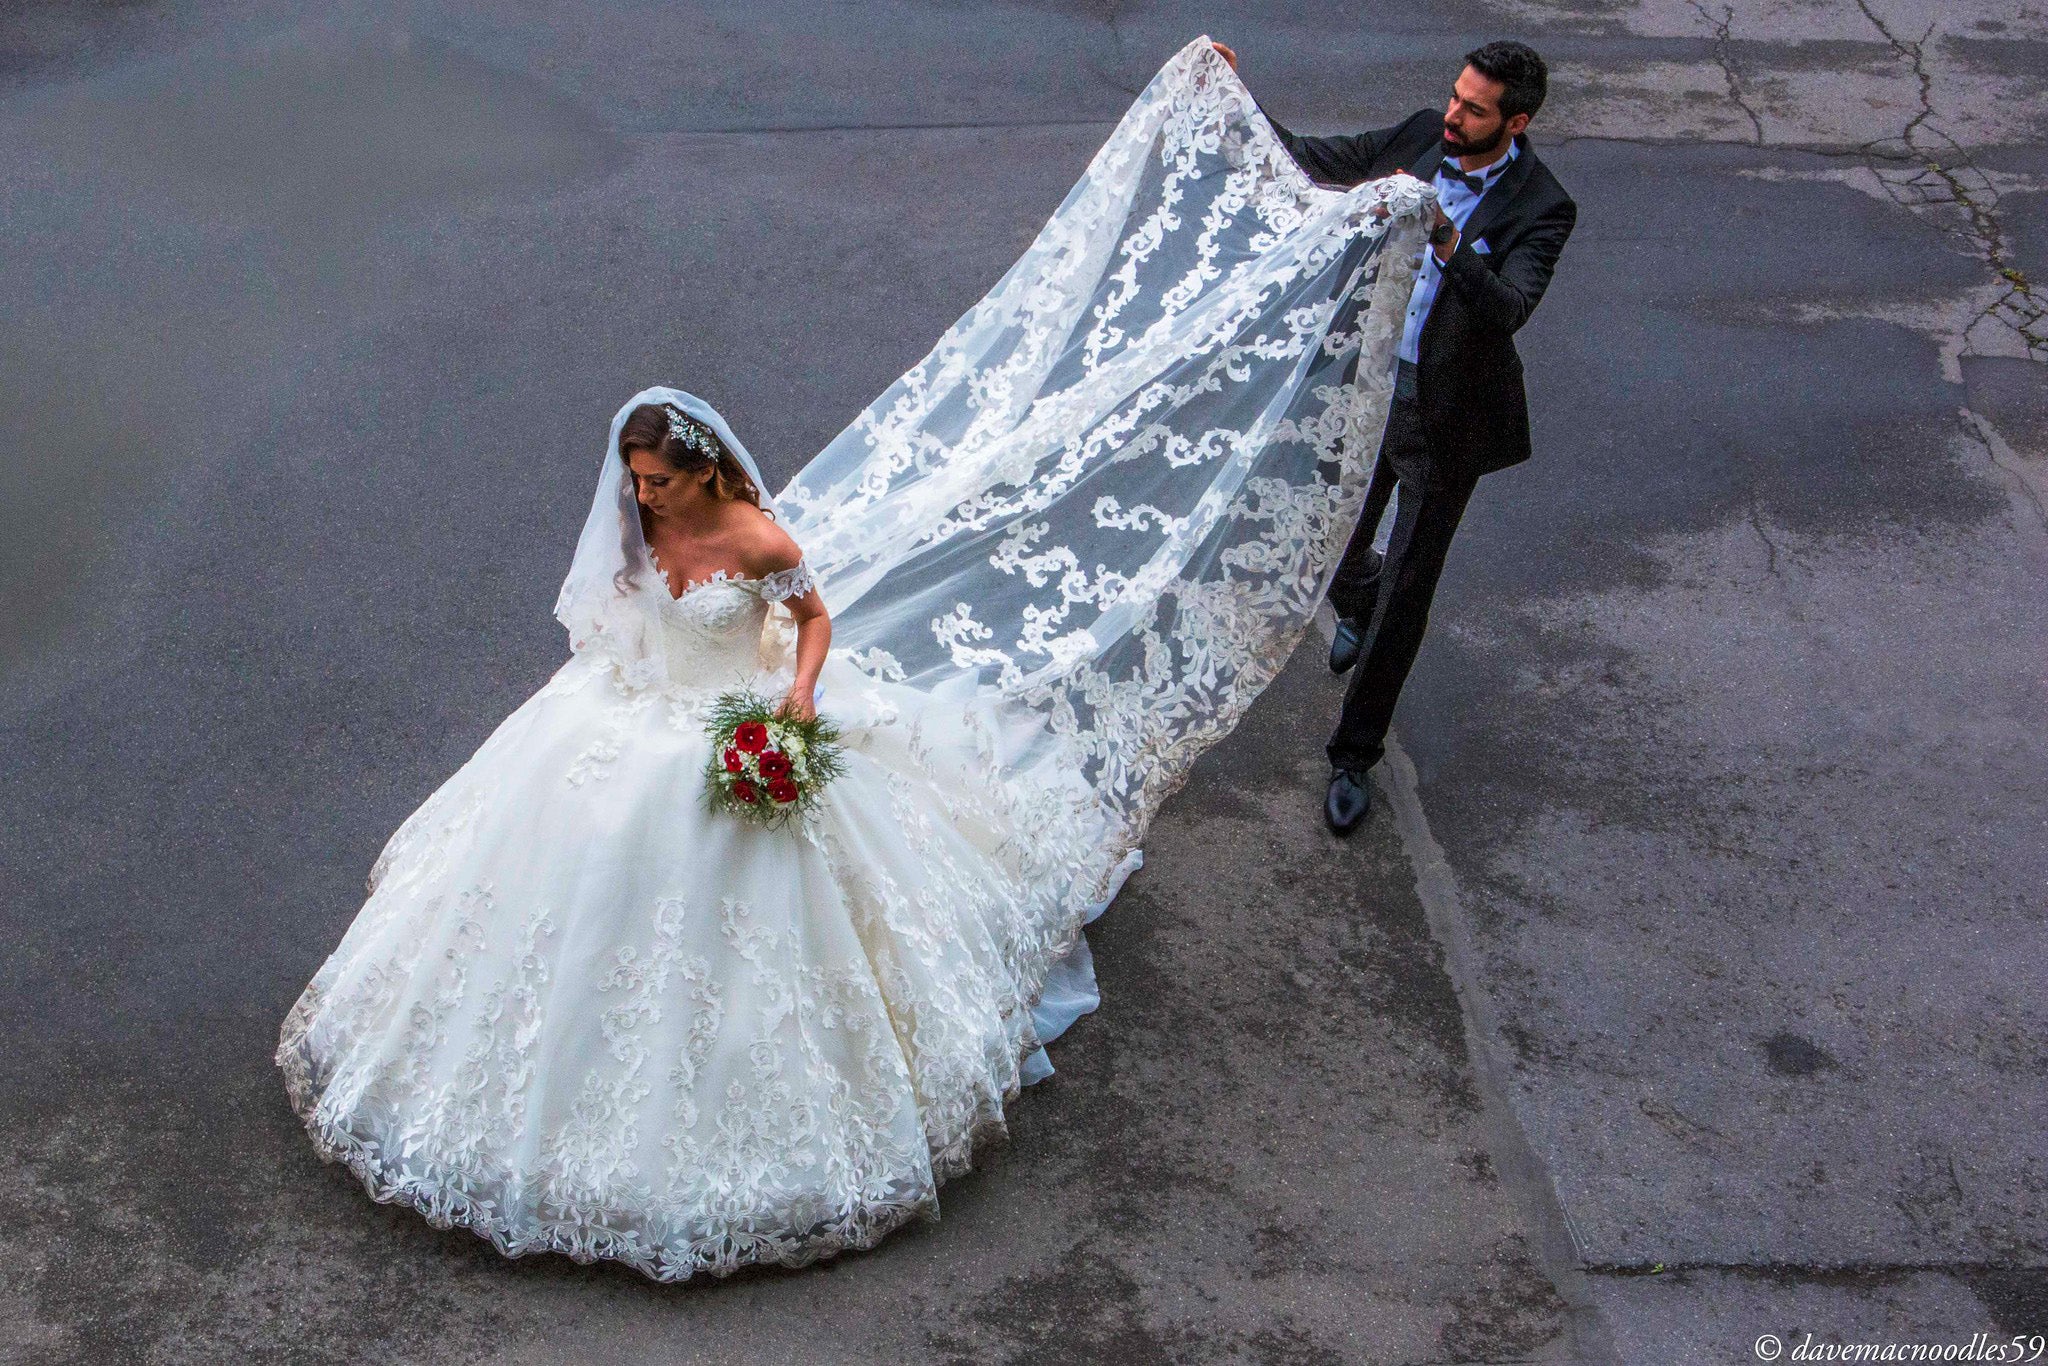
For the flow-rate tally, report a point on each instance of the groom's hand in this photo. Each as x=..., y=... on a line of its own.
x=1227, y=54
x=1381, y=211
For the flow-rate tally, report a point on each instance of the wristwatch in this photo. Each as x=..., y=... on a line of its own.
x=1442, y=234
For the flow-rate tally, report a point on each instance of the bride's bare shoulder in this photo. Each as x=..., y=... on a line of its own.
x=765, y=548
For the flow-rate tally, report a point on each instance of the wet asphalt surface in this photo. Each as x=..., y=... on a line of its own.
x=1686, y=985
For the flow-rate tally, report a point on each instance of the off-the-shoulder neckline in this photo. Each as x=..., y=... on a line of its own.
x=717, y=576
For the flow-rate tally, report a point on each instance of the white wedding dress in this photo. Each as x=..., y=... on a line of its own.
x=583, y=1012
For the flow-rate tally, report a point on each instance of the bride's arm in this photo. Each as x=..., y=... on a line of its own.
x=771, y=555
x=813, y=640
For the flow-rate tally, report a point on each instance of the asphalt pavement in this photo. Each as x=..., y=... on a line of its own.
x=1686, y=985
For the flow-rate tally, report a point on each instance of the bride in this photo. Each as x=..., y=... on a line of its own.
x=582, y=1011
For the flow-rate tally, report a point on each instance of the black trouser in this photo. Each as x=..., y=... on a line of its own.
x=1391, y=603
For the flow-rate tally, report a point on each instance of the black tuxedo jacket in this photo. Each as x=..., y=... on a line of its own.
x=1475, y=414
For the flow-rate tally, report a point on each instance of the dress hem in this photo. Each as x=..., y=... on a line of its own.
x=859, y=1229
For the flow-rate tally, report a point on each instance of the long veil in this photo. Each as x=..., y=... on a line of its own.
x=1115, y=490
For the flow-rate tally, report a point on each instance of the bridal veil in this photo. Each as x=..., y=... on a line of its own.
x=1115, y=490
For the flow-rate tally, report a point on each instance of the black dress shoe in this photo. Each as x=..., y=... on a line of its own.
x=1348, y=801
x=1344, y=646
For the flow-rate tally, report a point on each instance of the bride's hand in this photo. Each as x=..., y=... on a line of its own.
x=1225, y=53
x=799, y=704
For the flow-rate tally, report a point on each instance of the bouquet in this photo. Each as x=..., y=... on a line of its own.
x=767, y=766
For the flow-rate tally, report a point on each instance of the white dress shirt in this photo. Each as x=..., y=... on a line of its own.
x=1458, y=201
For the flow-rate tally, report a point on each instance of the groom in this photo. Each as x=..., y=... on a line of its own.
x=1458, y=410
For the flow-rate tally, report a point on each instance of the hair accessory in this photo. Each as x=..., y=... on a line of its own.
x=693, y=434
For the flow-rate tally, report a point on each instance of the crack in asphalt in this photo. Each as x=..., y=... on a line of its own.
x=1756, y=524
x=1724, y=57
x=1946, y=161
x=1922, y=168
x=1914, y=53
x=2032, y=486
x=1114, y=23
x=1111, y=23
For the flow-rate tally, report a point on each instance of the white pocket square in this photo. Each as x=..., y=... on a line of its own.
x=1481, y=247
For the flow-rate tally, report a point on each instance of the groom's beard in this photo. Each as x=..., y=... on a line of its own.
x=1454, y=146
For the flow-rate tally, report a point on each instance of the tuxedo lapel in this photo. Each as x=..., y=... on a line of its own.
x=1424, y=166
x=1501, y=193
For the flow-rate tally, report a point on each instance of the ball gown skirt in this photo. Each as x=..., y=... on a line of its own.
x=583, y=1012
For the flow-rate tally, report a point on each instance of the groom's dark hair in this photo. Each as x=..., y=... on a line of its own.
x=1516, y=66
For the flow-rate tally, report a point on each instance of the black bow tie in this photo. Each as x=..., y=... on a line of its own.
x=1475, y=183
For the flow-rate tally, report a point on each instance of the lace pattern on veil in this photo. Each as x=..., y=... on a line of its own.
x=1114, y=491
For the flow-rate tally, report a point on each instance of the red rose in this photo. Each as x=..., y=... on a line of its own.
x=744, y=790
x=752, y=737
x=783, y=790
x=733, y=762
x=774, y=764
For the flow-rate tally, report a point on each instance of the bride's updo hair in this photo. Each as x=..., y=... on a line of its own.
x=653, y=427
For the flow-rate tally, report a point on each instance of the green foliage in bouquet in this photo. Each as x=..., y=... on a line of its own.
x=767, y=767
